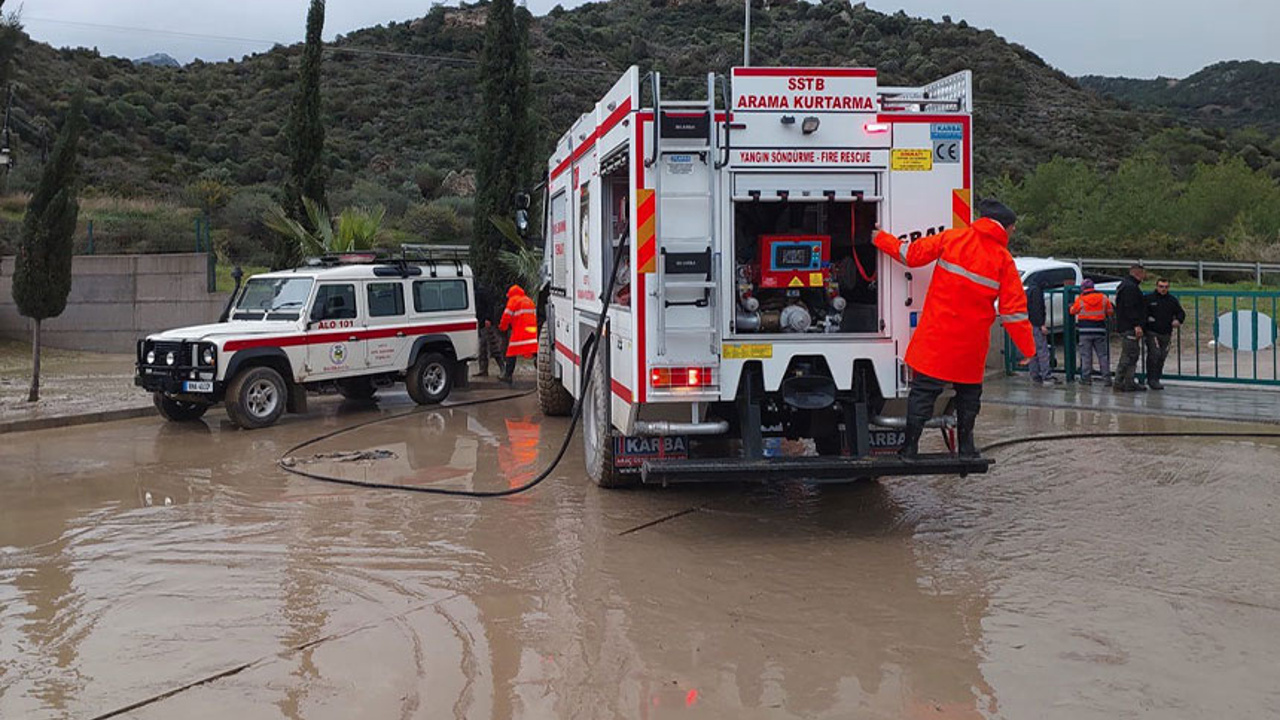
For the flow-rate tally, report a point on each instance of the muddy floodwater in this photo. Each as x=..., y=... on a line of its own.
x=175, y=570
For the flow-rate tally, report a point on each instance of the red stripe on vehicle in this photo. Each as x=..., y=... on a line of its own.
x=640, y=297
x=564, y=350
x=589, y=142
x=346, y=336
x=804, y=72
x=620, y=390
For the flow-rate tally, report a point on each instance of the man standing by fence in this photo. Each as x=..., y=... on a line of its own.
x=1092, y=309
x=1131, y=317
x=1164, y=313
x=1040, y=369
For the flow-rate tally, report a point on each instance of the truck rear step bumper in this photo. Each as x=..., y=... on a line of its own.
x=819, y=469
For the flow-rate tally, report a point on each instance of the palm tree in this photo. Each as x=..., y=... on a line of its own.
x=357, y=229
x=524, y=262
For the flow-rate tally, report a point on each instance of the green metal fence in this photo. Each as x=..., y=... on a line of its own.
x=1230, y=336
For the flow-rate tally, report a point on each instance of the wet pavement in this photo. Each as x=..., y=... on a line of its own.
x=1091, y=579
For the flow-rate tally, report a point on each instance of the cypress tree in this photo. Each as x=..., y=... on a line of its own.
x=42, y=273
x=305, y=137
x=505, y=138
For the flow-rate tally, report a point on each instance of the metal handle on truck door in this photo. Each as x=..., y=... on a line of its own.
x=400, y=334
x=352, y=338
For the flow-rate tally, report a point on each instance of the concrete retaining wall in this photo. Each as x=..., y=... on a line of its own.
x=115, y=299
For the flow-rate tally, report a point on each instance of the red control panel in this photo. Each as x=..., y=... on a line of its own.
x=794, y=261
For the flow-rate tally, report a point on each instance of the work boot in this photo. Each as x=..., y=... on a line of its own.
x=1155, y=384
x=911, y=445
x=964, y=431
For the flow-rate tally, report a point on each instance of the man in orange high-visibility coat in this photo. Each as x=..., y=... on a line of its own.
x=1092, y=309
x=521, y=318
x=974, y=269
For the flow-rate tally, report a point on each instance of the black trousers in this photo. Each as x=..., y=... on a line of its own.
x=509, y=366
x=1157, y=353
x=1130, y=349
x=924, y=395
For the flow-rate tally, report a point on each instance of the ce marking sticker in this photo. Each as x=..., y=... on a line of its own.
x=946, y=151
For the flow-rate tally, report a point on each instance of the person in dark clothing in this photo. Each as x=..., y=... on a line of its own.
x=1164, y=313
x=1131, y=317
x=1039, y=369
x=492, y=343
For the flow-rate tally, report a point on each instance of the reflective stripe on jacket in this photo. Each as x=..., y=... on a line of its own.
x=974, y=270
x=521, y=318
x=1092, y=310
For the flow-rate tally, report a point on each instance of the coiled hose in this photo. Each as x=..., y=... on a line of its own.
x=588, y=364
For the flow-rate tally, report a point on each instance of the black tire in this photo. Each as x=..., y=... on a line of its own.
x=598, y=434
x=256, y=398
x=178, y=410
x=356, y=388
x=430, y=379
x=553, y=399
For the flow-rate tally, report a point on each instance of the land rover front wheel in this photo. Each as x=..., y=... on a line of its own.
x=177, y=410
x=256, y=398
x=597, y=431
x=429, y=380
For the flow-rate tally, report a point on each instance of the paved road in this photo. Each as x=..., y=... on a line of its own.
x=1115, y=578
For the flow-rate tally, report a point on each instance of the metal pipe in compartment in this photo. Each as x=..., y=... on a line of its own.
x=941, y=421
x=666, y=427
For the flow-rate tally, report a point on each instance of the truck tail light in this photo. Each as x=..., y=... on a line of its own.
x=681, y=377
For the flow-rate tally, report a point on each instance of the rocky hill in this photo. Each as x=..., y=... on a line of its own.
x=161, y=59
x=1224, y=95
x=405, y=93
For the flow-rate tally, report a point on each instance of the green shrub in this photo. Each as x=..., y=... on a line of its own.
x=436, y=223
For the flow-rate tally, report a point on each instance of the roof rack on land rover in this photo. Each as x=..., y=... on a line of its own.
x=405, y=261
x=412, y=253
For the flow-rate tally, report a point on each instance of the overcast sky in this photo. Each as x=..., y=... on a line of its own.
x=1137, y=38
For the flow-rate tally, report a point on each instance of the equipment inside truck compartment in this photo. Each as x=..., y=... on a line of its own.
x=805, y=267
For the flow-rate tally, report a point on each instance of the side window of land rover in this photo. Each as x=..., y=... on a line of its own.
x=439, y=295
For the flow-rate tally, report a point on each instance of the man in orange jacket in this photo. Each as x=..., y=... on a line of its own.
x=974, y=270
x=521, y=318
x=1092, y=309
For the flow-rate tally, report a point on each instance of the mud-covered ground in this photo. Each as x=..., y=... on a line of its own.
x=71, y=382
x=1087, y=579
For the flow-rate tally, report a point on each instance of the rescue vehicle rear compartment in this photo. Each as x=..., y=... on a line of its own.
x=750, y=302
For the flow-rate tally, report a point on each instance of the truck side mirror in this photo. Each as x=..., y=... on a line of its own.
x=522, y=201
x=522, y=222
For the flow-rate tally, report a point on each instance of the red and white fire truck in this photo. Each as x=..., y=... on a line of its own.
x=748, y=302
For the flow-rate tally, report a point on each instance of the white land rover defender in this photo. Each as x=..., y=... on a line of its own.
x=358, y=321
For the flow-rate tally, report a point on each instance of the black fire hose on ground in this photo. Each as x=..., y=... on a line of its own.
x=588, y=364
x=1056, y=437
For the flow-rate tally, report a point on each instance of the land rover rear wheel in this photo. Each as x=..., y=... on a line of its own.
x=256, y=398
x=597, y=432
x=553, y=399
x=177, y=410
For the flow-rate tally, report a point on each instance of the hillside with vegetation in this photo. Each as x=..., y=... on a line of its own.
x=166, y=145
x=1228, y=95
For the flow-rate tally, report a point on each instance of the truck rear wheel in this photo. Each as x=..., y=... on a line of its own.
x=553, y=399
x=597, y=432
x=177, y=410
x=256, y=398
